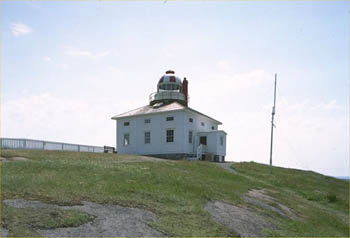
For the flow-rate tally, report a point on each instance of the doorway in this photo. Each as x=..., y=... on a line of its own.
x=203, y=140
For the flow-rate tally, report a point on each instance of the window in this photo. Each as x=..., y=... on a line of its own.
x=170, y=135
x=126, y=139
x=170, y=118
x=202, y=123
x=126, y=123
x=190, y=135
x=147, y=121
x=213, y=127
x=147, y=137
x=221, y=140
x=190, y=120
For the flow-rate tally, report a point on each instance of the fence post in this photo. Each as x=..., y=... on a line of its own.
x=62, y=146
x=25, y=144
x=78, y=148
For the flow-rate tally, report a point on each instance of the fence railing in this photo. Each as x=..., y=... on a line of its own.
x=29, y=144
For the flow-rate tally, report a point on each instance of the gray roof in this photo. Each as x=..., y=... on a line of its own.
x=145, y=110
x=213, y=131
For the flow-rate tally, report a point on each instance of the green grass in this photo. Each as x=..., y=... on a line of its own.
x=176, y=191
x=309, y=194
x=307, y=184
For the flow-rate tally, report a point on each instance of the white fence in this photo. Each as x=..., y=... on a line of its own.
x=28, y=144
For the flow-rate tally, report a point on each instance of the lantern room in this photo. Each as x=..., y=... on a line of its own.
x=170, y=88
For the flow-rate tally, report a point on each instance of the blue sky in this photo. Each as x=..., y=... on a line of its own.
x=67, y=67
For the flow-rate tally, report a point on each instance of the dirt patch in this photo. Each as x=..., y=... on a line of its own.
x=110, y=221
x=261, y=199
x=241, y=220
x=3, y=159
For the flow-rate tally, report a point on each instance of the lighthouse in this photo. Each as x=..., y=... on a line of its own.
x=168, y=128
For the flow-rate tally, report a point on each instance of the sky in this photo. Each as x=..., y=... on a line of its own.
x=68, y=67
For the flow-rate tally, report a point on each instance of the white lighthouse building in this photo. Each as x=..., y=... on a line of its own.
x=168, y=128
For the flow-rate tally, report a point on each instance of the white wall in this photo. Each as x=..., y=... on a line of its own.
x=221, y=149
x=196, y=127
x=158, y=127
x=213, y=142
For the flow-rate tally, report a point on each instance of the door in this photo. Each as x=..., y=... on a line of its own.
x=203, y=140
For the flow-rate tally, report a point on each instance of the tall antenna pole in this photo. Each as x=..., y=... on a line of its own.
x=273, y=114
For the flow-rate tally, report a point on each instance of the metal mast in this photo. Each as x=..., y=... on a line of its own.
x=273, y=114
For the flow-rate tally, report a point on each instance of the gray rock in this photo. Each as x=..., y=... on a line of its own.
x=260, y=199
x=110, y=221
x=241, y=220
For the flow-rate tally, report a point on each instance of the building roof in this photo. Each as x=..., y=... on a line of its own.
x=213, y=131
x=145, y=110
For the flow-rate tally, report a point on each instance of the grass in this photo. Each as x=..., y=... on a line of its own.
x=321, y=201
x=307, y=184
x=176, y=191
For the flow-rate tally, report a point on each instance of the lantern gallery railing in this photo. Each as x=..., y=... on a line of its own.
x=158, y=96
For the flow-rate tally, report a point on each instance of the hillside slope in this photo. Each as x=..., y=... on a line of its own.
x=178, y=192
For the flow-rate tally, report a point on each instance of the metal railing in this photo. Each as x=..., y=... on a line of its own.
x=166, y=95
x=29, y=144
x=201, y=149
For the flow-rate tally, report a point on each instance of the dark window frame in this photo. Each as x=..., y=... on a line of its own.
x=170, y=135
x=190, y=137
x=147, y=137
x=171, y=118
x=126, y=139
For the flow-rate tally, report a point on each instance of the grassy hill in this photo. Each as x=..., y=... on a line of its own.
x=176, y=191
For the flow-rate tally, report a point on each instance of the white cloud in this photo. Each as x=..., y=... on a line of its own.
x=313, y=137
x=329, y=106
x=49, y=117
x=239, y=91
x=241, y=81
x=168, y=52
x=47, y=58
x=223, y=65
x=78, y=112
x=72, y=51
x=19, y=29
